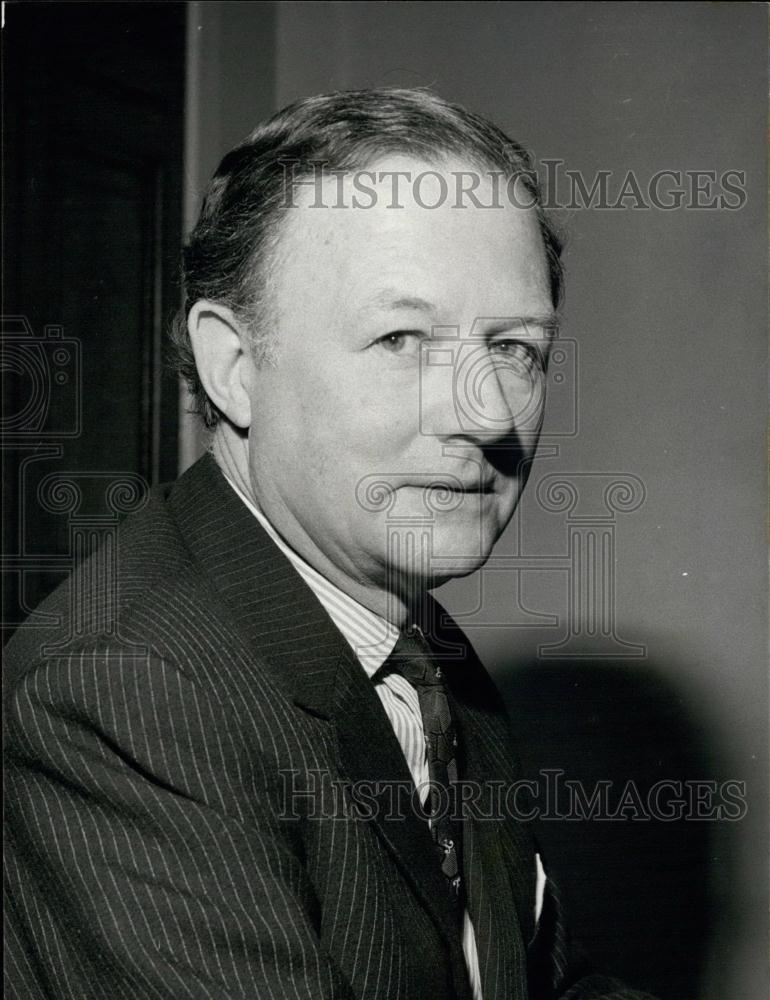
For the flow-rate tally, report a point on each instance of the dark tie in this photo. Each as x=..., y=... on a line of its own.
x=413, y=658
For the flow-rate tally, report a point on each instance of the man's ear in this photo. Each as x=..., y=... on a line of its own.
x=223, y=358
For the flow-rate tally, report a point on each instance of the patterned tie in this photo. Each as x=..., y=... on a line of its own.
x=414, y=660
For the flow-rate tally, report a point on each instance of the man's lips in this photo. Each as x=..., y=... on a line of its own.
x=453, y=485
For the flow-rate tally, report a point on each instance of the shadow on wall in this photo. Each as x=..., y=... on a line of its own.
x=639, y=888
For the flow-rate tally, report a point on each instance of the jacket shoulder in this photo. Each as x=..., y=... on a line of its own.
x=142, y=590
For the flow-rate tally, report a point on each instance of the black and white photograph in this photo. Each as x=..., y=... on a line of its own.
x=385, y=500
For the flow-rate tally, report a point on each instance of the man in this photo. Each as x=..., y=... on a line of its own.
x=206, y=790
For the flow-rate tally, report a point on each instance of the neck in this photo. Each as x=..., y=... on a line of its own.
x=230, y=450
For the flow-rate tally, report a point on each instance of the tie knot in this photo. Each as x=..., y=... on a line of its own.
x=413, y=658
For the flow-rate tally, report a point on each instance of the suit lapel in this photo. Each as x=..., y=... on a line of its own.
x=496, y=868
x=498, y=856
x=289, y=630
x=274, y=611
x=370, y=753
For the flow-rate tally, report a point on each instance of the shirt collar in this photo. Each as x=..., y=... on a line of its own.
x=371, y=637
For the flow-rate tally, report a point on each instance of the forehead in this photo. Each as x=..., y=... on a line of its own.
x=402, y=222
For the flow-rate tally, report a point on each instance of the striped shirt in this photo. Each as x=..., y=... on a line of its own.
x=372, y=640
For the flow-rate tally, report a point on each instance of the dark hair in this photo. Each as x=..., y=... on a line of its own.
x=227, y=256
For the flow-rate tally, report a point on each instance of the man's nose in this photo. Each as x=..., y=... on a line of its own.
x=468, y=391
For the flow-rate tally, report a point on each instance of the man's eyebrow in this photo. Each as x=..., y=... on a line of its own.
x=393, y=300
x=390, y=298
x=549, y=321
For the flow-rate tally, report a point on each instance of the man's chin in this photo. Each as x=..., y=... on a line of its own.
x=439, y=579
x=443, y=566
x=451, y=567
x=457, y=543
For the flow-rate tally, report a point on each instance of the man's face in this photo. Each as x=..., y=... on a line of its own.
x=406, y=356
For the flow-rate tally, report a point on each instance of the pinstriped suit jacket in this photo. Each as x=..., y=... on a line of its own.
x=179, y=817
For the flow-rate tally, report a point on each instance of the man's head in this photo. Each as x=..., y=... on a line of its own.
x=369, y=294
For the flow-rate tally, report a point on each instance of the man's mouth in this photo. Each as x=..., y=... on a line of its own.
x=475, y=488
x=454, y=485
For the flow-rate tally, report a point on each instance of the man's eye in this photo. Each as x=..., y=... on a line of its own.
x=519, y=353
x=400, y=341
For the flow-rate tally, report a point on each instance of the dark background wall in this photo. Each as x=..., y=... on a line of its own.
x=663, y=385
x=92, y=168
